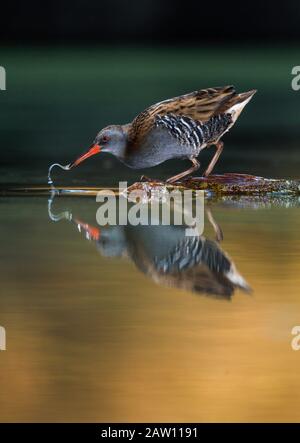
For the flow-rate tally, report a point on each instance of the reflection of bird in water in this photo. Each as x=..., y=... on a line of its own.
x=195, y=264
x=199, y=265
x=168, y=256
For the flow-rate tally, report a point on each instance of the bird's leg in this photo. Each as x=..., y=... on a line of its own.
x=216, y=227
x=219, y=146
x=146, y=179
x=196, y=165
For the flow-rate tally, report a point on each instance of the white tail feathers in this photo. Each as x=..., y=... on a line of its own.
x=235, y=277
x=242, y=100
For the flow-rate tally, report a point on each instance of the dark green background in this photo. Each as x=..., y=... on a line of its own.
x=57, y=98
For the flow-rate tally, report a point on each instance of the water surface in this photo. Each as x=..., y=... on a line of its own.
x=101, y=327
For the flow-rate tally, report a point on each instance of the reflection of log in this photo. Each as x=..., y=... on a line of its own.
x=227, y=184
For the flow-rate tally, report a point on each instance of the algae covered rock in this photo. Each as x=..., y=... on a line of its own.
x=227, y=184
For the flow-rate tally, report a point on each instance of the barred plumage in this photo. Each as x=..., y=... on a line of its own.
x=199, y=105
x=192, y=132
x=191, y=252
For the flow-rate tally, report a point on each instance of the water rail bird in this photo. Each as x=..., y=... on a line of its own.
x=179, y=127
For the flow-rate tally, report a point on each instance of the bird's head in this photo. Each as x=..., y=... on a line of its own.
x=110, y=139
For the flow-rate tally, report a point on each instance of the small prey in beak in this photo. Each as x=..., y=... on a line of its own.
x=94, y=149
x=66, y=168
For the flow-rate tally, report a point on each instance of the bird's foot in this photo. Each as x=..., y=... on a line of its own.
x=177, y=180
x=146, y=179
x=171, y=181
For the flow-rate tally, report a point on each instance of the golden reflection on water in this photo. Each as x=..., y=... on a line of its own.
x=92, y=338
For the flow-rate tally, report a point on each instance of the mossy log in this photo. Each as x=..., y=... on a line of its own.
x=226, y=184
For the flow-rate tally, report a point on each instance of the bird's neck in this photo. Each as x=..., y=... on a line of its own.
x=119, y=148
x=121, y=152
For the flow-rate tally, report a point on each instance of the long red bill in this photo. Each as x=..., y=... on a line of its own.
x=94, y=149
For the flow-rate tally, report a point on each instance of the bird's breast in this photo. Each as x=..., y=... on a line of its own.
x=158, y=146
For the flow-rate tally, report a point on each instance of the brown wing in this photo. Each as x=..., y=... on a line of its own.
x=199, y=105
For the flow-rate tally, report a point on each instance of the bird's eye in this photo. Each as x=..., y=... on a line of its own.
x=105, y=138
